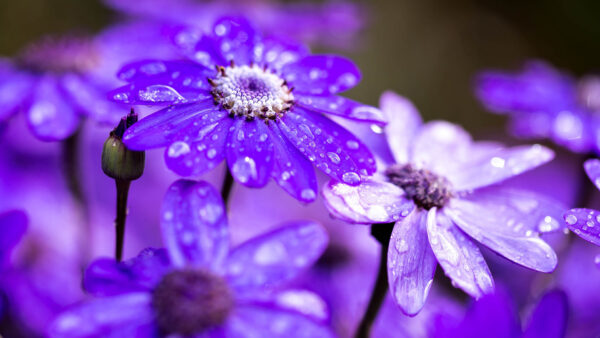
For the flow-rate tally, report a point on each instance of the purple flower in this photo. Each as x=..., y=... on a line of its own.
x=198, y=285
x=441, y=190
x=13, y=224
x=257, y=102
x=545, y=103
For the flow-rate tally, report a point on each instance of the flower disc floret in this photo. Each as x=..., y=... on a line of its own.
x=425, y=188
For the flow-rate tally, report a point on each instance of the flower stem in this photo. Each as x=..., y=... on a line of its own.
x=227, y=186
x=122, y=193
x=382, y=233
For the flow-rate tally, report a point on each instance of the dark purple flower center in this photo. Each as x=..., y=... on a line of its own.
x=588, y=90
x=60, y=55
x=190, y=301
x=251, y=92
x=425, y=188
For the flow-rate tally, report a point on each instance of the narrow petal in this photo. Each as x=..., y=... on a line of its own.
x=106, y=277
x=104, y=316
x=341, y=106
x=50, y=116
x=249, y=150
x=503, y=164
x=322, y=74
x=370, y=202
x=276, y=256
x=458, y=255
x=592, y=169
x=488, y=225
x=176, y=71
x=160, y=91
x=90, y=99
x=411, y=263
x=330, y=147
x=235, y=39
x=14, y=88
x=173, y=123
x=404, y=122
x=13, y=225
x=291, y=170
x=549, y=319
x=277, y=52
x=585, y=223
x=194, y=224
x=201, y=154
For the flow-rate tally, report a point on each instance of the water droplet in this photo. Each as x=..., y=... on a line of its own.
x=153, y=68
x=178, y=149
x=571, y=219
x=244, y=169
x=333, y=157
x=308, y=194
x=352, y=145
x=351, y=177
x=160, y=93
x=211, y=153
x=401, y=246
x=211, y=212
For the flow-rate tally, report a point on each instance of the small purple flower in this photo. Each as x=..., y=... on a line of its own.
x=441, y=191
x=198, y=286
x=257, y=102
x=545, y=103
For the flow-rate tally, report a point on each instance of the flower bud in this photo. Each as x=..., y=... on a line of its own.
x=119, y=162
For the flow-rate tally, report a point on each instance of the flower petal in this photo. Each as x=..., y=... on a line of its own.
x=404, y=122
x=14, y=88
x=549, y=319
x=235, y=40
x=194, y=224
x=322, y=74
x=13, y=225
x=341, y=106
x=161, y=91
x=291, y=170
x=592, y=169
x=175, y=70
x=90, y=99
x=411, y=263
x=249, y=150
x=277, y=52
x=370, y=202
x=276, y=256
x=458, y=255
x=585, y=223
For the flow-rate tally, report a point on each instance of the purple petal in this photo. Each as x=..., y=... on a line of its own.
x=458, y=255
x=201, y=154
x=291, y=170
x=160, y=91
x=249, y=150
x=104, y=316
x=370, y=202
x=592, y=169
x=277, y=52
x=206, y=51
x=341, y=106
x=411, y=263
x=276, y=256
x=173, y=123
x=50, y=116
x=585, y=223
x=194, y=224
x=488, y=225
x=235, y=39
x=106, y=277
x=91, y=100
x=332, y=148
x=404, y=122
x=152, y=69
x=549, y=319
x=14, y=88
x=500, y=166
x=322, y=74
x=13, y=225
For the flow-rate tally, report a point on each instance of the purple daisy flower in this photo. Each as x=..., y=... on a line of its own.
x=198, y=286
x=441, y=191
x=543, y=102
x=257, y=102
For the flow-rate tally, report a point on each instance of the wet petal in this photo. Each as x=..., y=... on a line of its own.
x=322, y=74
x=206, y=51
x=370, y=202
x=291, y=170
x=249, y=150
x=167, y=69
x=235, y=40
x=341, y=106
x=411, y=263
x=163, y=90
x=404, y=122
x=277, y=52
x=194, y=224
x=585, y=223
x=458, y=255
x=592, y=169
x=276, y=256
x=549, y=319
x=330, y=147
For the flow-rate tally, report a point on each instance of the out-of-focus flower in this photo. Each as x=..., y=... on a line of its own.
x=441, y=190
x=582, y=221
x=258, y=103
x=13, y=224
x=332, y=23
x=198, y=285
x=545, y=103
x=494, y=316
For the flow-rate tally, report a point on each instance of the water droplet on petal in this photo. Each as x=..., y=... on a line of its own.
x=308, y=194
x=244, y=169
x=351, y=177
x=571, y=219
x=333, y=157
x=352, y=145
x=178, y=149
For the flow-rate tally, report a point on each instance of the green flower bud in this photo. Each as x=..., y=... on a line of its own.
x=119, y=162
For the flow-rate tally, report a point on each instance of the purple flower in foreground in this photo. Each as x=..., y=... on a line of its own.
x=545, y=103
x=257, y=102
x=441, y=191
x=198, y=286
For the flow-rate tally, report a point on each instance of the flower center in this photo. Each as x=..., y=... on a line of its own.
x=425, y=188
x=251, y=91
x=66, y=54
x=190, y=301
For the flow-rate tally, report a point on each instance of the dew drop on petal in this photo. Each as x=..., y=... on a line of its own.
x=178, y=149
x=351, y=177
x=308, y=194
x=244, y=169
x=571, y=219
x=352, y=145
x=333, y=157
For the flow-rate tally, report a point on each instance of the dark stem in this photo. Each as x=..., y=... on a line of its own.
x=585, y=188
x=122, y=193
x=227, y=186
x=382, y=233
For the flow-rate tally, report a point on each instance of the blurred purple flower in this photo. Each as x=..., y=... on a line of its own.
x=198, y=285
x=441, y=189
x=13, y=224
x=258, y=103
x=545, y=103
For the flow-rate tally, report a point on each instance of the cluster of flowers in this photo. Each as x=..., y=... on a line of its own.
x=248, y=94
